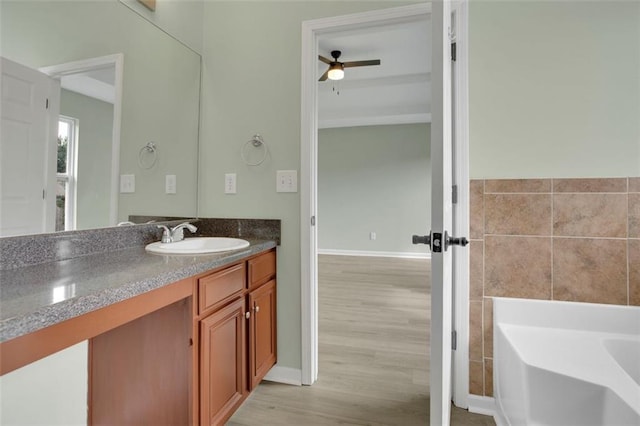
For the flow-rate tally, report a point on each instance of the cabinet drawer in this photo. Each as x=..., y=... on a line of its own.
x=262, y=268
x=220, y=287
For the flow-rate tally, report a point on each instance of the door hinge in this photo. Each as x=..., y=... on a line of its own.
x=313, y=221
x=454, y=340
x=453, y=51
x=46, y=104
x=43, y=194
x=454, y=194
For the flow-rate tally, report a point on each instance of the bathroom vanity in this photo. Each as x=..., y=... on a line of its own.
x=171, y=339
x=201, y=354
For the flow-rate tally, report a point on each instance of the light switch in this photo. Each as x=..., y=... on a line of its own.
x=170, y=184
x=230, y=183
x=286, y=181
x=127, y=184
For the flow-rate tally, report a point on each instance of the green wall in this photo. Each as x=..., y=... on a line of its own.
x=251, y=84
x=180, y=18
x=554, y=89
x=93, y=187
x=374, y=179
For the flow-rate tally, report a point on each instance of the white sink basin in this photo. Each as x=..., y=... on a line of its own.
x=198, y=245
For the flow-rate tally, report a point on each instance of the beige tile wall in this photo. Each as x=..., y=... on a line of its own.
x=552, y=239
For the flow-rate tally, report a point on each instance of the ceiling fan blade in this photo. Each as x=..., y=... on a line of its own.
x=325, y=60
x=324, y=76
x=361, y=63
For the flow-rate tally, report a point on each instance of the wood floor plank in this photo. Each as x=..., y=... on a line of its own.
x=374, y=316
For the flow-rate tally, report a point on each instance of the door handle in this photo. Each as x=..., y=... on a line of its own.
x=455, y=241
x=422, y=239
x=435, y=241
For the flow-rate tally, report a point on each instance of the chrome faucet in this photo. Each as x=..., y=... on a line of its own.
x=175, y=234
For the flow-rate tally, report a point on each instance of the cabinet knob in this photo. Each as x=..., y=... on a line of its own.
x=247, y=315
x=256, y=308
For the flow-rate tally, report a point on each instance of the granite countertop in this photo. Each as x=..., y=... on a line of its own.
x=38, y=296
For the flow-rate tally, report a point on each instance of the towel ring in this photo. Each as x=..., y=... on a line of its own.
x=256, y=141
x=148, y=148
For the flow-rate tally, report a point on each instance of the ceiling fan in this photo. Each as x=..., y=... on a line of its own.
x=336, y=69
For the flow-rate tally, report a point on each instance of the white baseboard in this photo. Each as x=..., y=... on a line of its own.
x=482, y=405
x=405, y=255
x=286, y=375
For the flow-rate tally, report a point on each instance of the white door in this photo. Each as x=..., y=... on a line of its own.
x=441, y=217
x=27, y=150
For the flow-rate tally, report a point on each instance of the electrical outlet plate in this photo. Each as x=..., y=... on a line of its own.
x=287, y=181
x=127, y=184
x=230, y=183
x=170, y=184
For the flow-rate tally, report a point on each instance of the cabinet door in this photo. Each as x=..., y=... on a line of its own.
x=222, y=363
x=262, y=333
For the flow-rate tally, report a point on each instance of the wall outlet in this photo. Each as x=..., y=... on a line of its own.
x=127, y=184
x=286, y=181
x=372, y=235
x=230, y=183
x=170, y=184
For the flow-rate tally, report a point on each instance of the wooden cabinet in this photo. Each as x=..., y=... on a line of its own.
x=218, y=288
x=139, y=373
x=223, y=383
x=262, y=332
x=237, y=331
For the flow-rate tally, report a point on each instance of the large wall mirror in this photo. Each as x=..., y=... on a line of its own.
x=127, y=95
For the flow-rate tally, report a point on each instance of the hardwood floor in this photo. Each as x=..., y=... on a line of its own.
x=373, y=351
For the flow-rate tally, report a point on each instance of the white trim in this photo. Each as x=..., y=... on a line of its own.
x=308, y=200
x=308, y=163
x=482, y=405
x=117, y=60
x=286, y=375
x=396, y=254
x=460, y=365
x=379, y=120
x=51, y=166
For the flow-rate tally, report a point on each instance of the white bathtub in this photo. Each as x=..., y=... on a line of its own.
x=565, y=363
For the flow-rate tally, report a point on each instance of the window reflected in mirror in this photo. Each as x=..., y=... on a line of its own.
x=66, y=173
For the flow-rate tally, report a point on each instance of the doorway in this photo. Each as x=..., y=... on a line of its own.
x=312, y=30
x=91, y=93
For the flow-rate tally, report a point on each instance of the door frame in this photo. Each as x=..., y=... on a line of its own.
x=460, y=381
x=74, y=67
x=308, y=180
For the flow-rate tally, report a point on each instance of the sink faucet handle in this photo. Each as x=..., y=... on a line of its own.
x=166, y=234
x=177, y=233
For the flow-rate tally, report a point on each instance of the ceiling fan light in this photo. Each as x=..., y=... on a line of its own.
x=336, y=72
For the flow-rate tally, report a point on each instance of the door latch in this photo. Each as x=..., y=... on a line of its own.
x=436, y=242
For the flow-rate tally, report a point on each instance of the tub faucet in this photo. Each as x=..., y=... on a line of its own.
x=175, y=234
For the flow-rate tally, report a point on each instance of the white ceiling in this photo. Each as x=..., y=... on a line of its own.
x=396, y=91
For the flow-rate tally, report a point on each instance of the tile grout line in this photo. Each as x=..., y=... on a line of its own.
x=571, y=237
x=552, y=238
x=628, y=263
x=483, y=275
